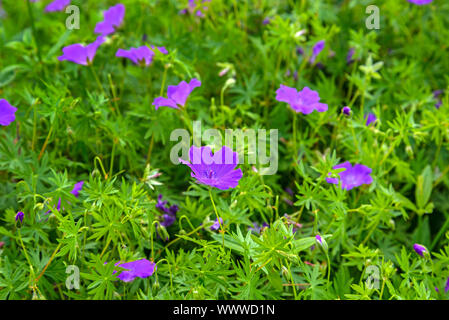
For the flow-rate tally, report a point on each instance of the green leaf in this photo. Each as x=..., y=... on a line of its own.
x=424, y=187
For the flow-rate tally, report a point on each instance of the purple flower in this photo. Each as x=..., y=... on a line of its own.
x=112, y=19
x=420, y=249
x=257, y=228
x=142, y=55
x=350, y=55
x=7, y=113
x=215, y=170
x=317, y=48
x=299, y=51
x=77, y=188
x=142, y=268
x=370, y=118
x=2, y=15
x=446, y=287
x=58, y=207
x=321, y=242
x=160, y=204
x=168, y=220
x=169, y=216
x=80, y=54
x=436, y=95
x=304, y=101
x=75, y=191
x=161, y=49
x=19, y=216
x=346, y=111
x=420, y=2
x=57, y=5
x=295, y=75
x=266, y=21
x=352, y=176
x=177, y=95
x=193, y=8
x=216, y=224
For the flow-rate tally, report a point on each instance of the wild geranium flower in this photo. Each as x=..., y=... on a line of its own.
x=112, y=19
x=370, y=118
x=80, y=54
x=346, y=111
x=7, y=113
x=142, y=268
x=304, y=101
x=169, y=216
x=420, y=249
x=216, y=224
x=317, y=48
x=353, y=176
x=141, y=55
x=177, y=95
x=77, y=188
x=420, y=2
x=57, y=5
x=19, y=216
x=215, y=170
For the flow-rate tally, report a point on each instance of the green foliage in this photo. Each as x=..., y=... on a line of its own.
x=97, y=124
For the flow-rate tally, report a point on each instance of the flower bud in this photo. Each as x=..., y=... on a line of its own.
x=19, y=216
x=321, y=242
x=421, y=250
x=346, y=111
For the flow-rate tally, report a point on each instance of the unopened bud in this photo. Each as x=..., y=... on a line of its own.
x=321, y=243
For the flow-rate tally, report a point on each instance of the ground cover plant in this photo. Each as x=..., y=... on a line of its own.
x=100, y=198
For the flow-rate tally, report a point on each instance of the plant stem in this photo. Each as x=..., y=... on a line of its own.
x=114, y=94
x=32, y=275
x=164, y=78
x=30, y=12
x=294, y=139
x=440, y=233
x=45, y=143
x=105, y=247
x=150, y=149
x=111, y=166
x=216, y=213
x=328, y=268
x=33, y=141
x=49, y=261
